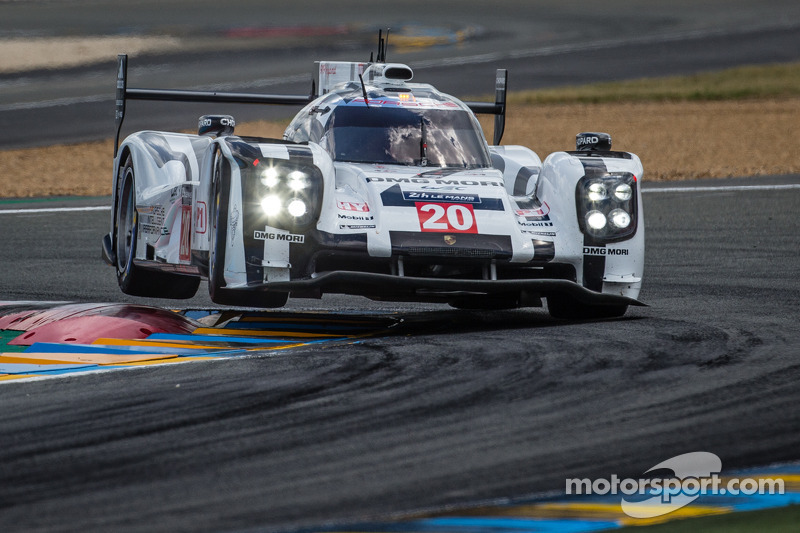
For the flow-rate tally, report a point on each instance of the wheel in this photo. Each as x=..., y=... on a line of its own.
x=220, y=188
x=567, y=307
x=132, y=279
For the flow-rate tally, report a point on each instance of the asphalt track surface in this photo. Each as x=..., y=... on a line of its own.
x=460, y=407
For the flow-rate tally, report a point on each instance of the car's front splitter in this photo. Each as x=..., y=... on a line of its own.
x=379, y=285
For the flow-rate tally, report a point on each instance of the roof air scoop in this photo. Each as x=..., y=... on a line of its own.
x=389, y=74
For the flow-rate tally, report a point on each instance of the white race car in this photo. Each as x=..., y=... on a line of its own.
x=382, y=188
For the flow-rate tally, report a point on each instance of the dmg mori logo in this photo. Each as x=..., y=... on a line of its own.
x=270, y=236
x=597, y=250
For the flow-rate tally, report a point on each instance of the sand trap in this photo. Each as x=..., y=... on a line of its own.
x=675, y=140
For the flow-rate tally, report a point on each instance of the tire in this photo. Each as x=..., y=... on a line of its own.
x=568, y=308
x=220, y=189
x=132, y=279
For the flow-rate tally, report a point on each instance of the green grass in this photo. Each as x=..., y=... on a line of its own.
x=764, y=81
x=777, y=520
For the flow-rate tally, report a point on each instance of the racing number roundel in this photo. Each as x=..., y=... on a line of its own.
x=451, y=218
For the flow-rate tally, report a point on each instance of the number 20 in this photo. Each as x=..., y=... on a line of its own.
x=455, y=217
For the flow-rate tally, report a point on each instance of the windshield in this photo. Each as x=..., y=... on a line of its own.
x=429, y=137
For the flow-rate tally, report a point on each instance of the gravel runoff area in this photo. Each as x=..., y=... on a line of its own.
x=675, y=140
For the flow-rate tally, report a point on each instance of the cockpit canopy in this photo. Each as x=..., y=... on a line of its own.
x=397, y=130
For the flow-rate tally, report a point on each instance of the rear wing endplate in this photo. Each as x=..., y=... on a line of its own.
x=498, y=108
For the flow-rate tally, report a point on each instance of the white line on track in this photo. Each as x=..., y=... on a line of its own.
x=728, y=188
x=721, y=188
x=53, y=210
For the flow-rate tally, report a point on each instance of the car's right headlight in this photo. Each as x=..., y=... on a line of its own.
x=289, y=193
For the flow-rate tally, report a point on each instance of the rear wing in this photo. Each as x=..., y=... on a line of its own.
x=498, y=108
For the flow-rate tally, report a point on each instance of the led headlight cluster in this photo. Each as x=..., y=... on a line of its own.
x=606, y=206
x=289, y=194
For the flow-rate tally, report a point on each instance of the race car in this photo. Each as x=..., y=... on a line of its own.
x=380, y=187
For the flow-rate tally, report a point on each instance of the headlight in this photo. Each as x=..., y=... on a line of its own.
x=271, y=205
x=285, y=194
x=296, y=208
x=597, y=192
x=619, y=218
x=270, y=177
x=606, y=206
x=623, y=192
x=297, y=181
x=596, y=220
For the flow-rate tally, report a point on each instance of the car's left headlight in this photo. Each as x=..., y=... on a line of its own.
x=606, y=206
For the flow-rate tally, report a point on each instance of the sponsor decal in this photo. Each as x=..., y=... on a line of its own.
x=542, y=211
x=442, y=188
x=185, y=252
x=353, y=206
x=378, y=179
x=541, y=224
x=417, y=196
x=357, y=226
x=273, y=236
x=201, y=218
x=151, y=220
x=356, y=217
x=427, y=181
x=581, y=141
x=224, y=121
x=394, y=196
x=592, y=250
x=445, y=217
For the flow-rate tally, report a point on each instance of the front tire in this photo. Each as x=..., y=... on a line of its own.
x=133, y=279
